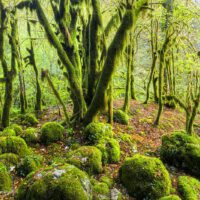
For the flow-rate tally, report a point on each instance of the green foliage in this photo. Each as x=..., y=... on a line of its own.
x=56, y=182
x=120, y=117
x=29, y=164
x=189, y=188
x=95, y=131
x=52, y=132
x=5, y=179
x=30, y=135
x=183, y=151
x=14, y=145
x=8, y=132
x=145, y=177
x=87, y=158
x=110, y=149
x=171, y=197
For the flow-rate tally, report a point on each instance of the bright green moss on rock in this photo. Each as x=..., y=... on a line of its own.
x=145, y=177
x=171, y=197
x=5, y=179
x=30, y=135
x=110, y=150
x=120, y=117
x=189, y=188
x=29, y=164
x=8, y=132
x=29, y=120
x=95, y=131
x=107, y=180
x=87, y=158
x=9, y=159
x=17, y=128
x=51, y=132
x=182, y=151
x=14, y=145
x=56, y=182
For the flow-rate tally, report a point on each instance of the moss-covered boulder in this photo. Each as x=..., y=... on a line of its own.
x=8, y=132
x=145, y=177
x=17, y=128
x=14, y=145
x=110, y=150
x=5, y=179
x=171, y=197
x=96, y=131
x=28, y=120
x=87, y=158
x=29, y=164
x=56, y=182
x=9, y=159
x=182, y=151
x=189, y=188
x=51, y=132
x=30, y=135
x=120, y=117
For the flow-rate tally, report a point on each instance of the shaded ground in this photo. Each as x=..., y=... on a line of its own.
x=140, y=128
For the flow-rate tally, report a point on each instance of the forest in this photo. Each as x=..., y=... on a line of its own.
x=100, y=99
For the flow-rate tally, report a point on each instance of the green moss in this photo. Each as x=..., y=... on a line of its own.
x=9, y=159
x=29, y=164
x=120, y=117
x=189, y=188
x=17, y=128
x=110, y=150
x=87, y=158
x=29, y=120
x=56, y=182
x=100, y=191
x=51, y=132
x=14, y=145
x=182, y=151
x=8, y=132
x=107, y=180
x=145, y=177
x=30, y=135
x=171, y=197
x=5, y=179
x=96, y=131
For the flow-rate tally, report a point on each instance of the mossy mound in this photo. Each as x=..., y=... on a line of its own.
x=110, y=150
x=8, y=132
x=5, y=179
x=145, y=177
x=14, y=145
x=96, y=131
x=56, y=182
x=189, y=188
x=87, y=158
x=30, y=135
x=17, y=128
x=29, y=164
x=9, y=159
x=28, y=120
x=120, y=117
x=107, y=180
x=51, y=132
x=171, y=197
x=182, y=151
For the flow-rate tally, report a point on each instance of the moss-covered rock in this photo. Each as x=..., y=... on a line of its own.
x=9, y=159
x=17, y=128
x=14, y=145
x=51, y=132
x=29, y=120
x=29, y=164
x=107, y=180
x=8, y=132
x=171, y=197
x=110, y=150
x=56, y=182
x=30, y=135
x=96, y=131
x=145, y=177
x=5, y=179
x=87, y=158
x=182, y=151
x=189, y=188
x=120, y=117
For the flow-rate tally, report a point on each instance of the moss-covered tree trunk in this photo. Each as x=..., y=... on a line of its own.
x=115, y=49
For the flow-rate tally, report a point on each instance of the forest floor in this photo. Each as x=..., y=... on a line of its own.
x=140, y=128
